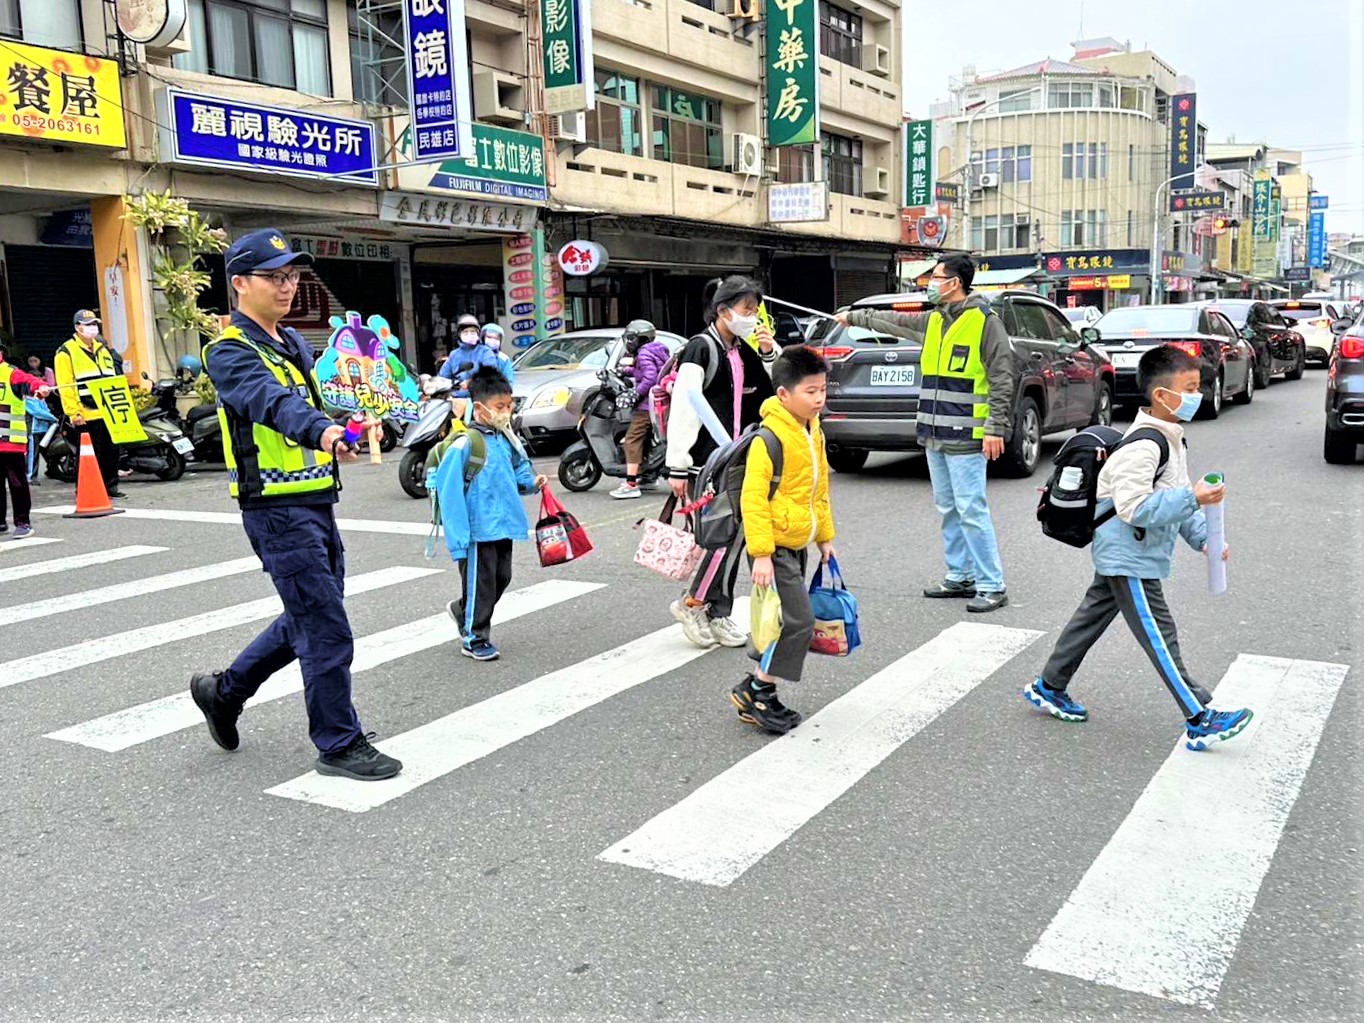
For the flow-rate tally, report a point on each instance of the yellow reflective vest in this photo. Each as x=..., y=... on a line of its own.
x=262, y=462
x=954, y=395
x=74, y=367
x=13, y=421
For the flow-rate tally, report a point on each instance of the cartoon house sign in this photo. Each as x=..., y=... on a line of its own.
x=360, y=372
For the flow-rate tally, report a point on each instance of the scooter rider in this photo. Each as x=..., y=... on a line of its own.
x=465, y=360
x=644, y=360
x=493, y=336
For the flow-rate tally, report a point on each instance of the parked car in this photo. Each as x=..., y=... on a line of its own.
x=1280, y=348
x=1226, y=357
x=1063, y=381
x=1345, y=394
x=1312, y=317
x=1083, y=315
x=552, y=376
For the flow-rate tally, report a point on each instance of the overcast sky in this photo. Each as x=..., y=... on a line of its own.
x=1291, y=74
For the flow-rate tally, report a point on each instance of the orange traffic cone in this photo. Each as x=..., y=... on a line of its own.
x=92, y=500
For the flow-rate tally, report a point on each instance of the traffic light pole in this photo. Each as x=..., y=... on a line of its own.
x=1157, y=279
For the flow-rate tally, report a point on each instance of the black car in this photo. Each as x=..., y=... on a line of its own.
x=1345, y=394
x=1203, y=332
x=873, y=403
x=1279, y=349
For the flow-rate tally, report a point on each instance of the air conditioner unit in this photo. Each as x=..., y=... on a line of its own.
x=876, y=59
x=987, y=181
x=569, y=127
x=499, y=98
x=878, y=183
x=743, y=10
x=748, y=154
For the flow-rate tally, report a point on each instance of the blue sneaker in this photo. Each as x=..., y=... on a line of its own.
x=1055, y=702
x=480, y=650
x=1214, y=726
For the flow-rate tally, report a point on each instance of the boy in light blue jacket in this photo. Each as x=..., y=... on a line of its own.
x=481, y=509
x=1146, y=481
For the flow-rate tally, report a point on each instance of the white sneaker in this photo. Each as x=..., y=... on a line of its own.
x=727, y=633
x=651, y=485
x=624, y=492
x=695, y=624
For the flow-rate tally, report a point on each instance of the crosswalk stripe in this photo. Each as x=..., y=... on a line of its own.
x=75, y=561
x=396, y=527
x=713, y=837
x=125, y=590
x=104, y=648
x=449, y=743
x=145, y=722
x=1160, y=911
x=13, y=546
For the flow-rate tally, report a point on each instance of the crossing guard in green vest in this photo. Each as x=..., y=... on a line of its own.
x=15, y=385
x=280, y=448
x=965, y=417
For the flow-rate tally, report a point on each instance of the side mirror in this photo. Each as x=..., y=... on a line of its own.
x=1341, y=326
x=1090, y=335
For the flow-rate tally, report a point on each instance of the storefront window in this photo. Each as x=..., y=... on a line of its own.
x=615, y=124
x=795, y=164
x=840, y=34
x=55, y=23
x=275, y=42
x=842, y=164
x=686, y=129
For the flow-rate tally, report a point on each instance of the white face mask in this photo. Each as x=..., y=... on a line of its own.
x=493, y=341
x=741, y=326
x=468, y=337
x=88, y=331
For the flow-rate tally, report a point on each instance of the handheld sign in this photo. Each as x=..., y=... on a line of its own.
x=116, y=408
x=361, y=372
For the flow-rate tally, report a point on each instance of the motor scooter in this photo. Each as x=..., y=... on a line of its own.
x=433, y=423
x=164, y=454
x=606, y=414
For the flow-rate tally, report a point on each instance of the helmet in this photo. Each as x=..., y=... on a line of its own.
x=190, y=364
x=467, y=320
x=492, y=336
x=493, y=329
x=637, y=334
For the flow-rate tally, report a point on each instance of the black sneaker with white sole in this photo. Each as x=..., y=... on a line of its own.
x=359, y=761
x=222, y=719
x=761, y=707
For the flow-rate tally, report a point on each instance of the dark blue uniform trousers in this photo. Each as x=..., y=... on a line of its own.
x=301, y=548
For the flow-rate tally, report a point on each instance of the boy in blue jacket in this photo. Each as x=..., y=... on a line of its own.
x=1146, y=481
x=481, y=510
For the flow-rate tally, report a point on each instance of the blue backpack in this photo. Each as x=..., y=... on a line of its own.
x=836, y=627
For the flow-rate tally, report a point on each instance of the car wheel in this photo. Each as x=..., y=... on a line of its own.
x=1339, y=447
x=1212, y=398
x=1296, y=372
x=847, y=459
x=580, y=472
x=1024, y=449
x=1261, y=374
x=1248, y=395
x=1103, y=407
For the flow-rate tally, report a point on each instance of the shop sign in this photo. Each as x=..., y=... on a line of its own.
x=918, y=163
x=503, y=164
x=948, y=192
x=74, y=228
x=567, y=29
x=438, y=78
x=1297, y=273
x=1266, y=255
x=1264, y=189
x=213, y=132
x=457, y=214
x=1113, y=282
x=1182, y=202
x=791, y=64
x=153, y=23
x=1181, y=264
x=798, y=202
x=364, y=249
x=580, y=258
x=360, y=371
x=1318, y=202
x=55, y=96
x=1316, y=239
x=1183, y=139
x=533, y=287
x=1076, y=263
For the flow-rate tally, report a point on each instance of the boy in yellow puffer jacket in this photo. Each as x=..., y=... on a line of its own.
x=779, y=531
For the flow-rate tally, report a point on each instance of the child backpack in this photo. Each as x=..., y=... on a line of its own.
x=478, y=457
x=1067, y=507
x=661, y=394
x=719, y=488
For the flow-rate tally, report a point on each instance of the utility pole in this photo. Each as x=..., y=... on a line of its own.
x=1157, y=284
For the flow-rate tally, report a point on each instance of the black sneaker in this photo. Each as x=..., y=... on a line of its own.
x=983, y=603
x=116, y=493
x=762, y=708
x=952, y=588
x=360, y=761
x=222, y=719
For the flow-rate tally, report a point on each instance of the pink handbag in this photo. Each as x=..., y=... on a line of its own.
x=665, y=549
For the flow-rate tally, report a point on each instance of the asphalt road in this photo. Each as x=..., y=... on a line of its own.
x=906, y=871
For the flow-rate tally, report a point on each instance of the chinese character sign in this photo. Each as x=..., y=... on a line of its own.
x=566, y=26
x=116, y=408
x=438, y=79
x=1318, y=202
x=533, y=286
x=918, y=163
x=791, y=62
x=225, y=133
x=1183, y=139
x=360, y=371
x=1316, y=239
x=61, y=97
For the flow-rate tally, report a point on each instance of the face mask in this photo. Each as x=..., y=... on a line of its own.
x=493, y=341
x=497, y=420
x=742, y=327
x=88, y=333
x=468, y=337
x=1188, y=406
x=934, y=292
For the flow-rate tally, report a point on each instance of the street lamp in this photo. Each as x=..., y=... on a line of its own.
x=1157, y=283
x=970, y=156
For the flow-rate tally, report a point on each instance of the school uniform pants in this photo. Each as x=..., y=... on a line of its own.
x=486, y=573
x=300, y=547
x=14, y=474
x=785, y=659
x=1141, y=602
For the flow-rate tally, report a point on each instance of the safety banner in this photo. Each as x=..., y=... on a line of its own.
x=115, y=400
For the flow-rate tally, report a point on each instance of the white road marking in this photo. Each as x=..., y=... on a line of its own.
x=449, y=743
x=713, y=837
x=104, y=648
x=32, y=541
x=1160, y=911
x=145, y=722
x=126, y=590
x=75, y=561
x=395, y=527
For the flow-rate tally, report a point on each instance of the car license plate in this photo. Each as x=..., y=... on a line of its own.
x=183, y=445
x=1125, y=360
x=892, y=376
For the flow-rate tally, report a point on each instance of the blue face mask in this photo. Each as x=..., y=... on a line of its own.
x=1188, y=406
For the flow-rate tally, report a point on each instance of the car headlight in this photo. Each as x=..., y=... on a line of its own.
x=551, y=397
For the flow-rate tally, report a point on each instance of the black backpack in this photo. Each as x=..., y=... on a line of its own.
x=1067, y=507
x=721, y=483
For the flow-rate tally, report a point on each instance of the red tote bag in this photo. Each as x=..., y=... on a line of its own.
x=559, y=536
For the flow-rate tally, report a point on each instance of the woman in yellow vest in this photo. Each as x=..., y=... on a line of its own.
x=15, y=385
x=78, y=361
x=965, y=415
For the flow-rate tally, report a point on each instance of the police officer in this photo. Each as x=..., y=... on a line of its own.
x=279, y=448
x=77, y=362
